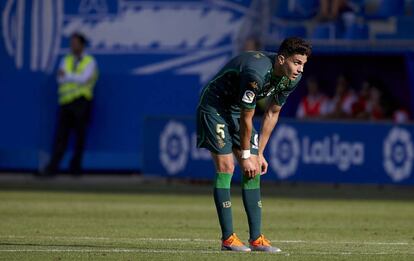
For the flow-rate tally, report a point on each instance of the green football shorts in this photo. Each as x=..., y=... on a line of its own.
x=221, y=133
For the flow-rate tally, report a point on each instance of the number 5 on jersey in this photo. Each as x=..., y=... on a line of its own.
x=220, y=131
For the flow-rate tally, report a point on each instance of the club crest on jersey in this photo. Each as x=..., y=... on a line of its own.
x=248, y=96
x=284, y=83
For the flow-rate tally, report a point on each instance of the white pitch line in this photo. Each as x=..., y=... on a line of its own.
x=114, y=250
x=352, y=253
x=341, y=242
x=176, y=251
x=203, y=240
x=118, y=238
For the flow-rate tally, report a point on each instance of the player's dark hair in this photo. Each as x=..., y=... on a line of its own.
x=295, y=45
x=80, y=37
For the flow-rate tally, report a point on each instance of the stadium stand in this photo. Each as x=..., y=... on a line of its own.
x=357, y=20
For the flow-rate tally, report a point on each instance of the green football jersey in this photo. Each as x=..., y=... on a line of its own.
x=244, y=80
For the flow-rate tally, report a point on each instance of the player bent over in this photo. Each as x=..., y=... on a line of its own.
x=224, y=126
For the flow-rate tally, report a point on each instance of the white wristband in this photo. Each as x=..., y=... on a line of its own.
x=245, y=154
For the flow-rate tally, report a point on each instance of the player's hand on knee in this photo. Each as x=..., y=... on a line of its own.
x=249, y=167
x=263, y=165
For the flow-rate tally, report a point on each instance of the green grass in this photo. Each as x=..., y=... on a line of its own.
x=178, y=222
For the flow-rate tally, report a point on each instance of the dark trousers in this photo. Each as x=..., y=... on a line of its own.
x=73, y=116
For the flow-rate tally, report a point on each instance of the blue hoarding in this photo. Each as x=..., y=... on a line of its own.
x=297, y=151
x=152, y=56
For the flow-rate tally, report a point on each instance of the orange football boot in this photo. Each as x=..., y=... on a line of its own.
x=233, y=243
x=262, y=244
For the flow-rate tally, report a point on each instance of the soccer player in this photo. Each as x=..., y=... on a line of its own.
x=225, y=127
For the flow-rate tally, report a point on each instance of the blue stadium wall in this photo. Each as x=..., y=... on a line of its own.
x=153, y=58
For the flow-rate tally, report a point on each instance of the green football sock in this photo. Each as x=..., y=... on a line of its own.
x=223, y=203
x=253, y=205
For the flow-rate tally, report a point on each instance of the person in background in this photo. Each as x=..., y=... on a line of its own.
x=77, y=76
x=374, y=104
x=315, y=104
x=401, y=115
x=330, y=10
x=360, y=106
x=251, y=44
x=340, y=107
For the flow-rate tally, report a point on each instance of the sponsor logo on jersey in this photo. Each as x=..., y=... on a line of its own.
x=220, y=142
x=248, y=96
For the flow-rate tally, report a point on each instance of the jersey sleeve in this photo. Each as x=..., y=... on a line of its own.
x=250, y=83
x=281, y=97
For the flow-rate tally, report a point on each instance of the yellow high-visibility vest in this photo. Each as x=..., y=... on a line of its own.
x=70, y=91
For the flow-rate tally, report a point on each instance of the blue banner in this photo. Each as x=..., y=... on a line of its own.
x=152, y=56
x=297, y=151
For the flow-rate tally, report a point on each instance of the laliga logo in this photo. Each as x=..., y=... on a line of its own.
x=398, y=154
x=174, y=147
x=284, y=151
x=333, y=151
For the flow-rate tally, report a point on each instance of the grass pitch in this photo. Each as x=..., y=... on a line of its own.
x=178, y=222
